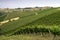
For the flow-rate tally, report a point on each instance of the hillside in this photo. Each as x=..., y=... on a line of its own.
x=48, y=23
x=31, y=20
x=2, y=15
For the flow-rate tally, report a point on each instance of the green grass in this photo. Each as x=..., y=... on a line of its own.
x=30, y=37
x=2, y=16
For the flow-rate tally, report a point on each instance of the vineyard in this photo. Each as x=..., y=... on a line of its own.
x=30, y=22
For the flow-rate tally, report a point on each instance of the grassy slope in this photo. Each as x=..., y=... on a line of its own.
x=30, y=37
x=50, y=22
x=2, y=16
x=14, y=26
x=53, y=19
x=18, y=14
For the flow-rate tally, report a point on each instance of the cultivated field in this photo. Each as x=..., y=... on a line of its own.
x=31, y=25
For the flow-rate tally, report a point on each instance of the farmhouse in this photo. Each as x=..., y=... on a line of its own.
x=14, y=19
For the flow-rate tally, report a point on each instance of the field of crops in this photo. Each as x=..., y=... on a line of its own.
x=27, y=18
x=2, y=16
x=39, y=22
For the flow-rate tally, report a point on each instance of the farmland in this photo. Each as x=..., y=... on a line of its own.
x=39, y=22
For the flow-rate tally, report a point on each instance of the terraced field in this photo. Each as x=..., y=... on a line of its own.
x=48, y=23
x=31, y=22
x=2, y=16
x=26, y=17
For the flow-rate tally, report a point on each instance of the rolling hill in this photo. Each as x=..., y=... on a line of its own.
x=48, y=19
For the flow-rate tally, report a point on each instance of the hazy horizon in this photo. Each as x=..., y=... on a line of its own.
x=28, y=3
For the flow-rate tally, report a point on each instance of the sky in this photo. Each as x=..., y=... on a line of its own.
x=28, y=3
